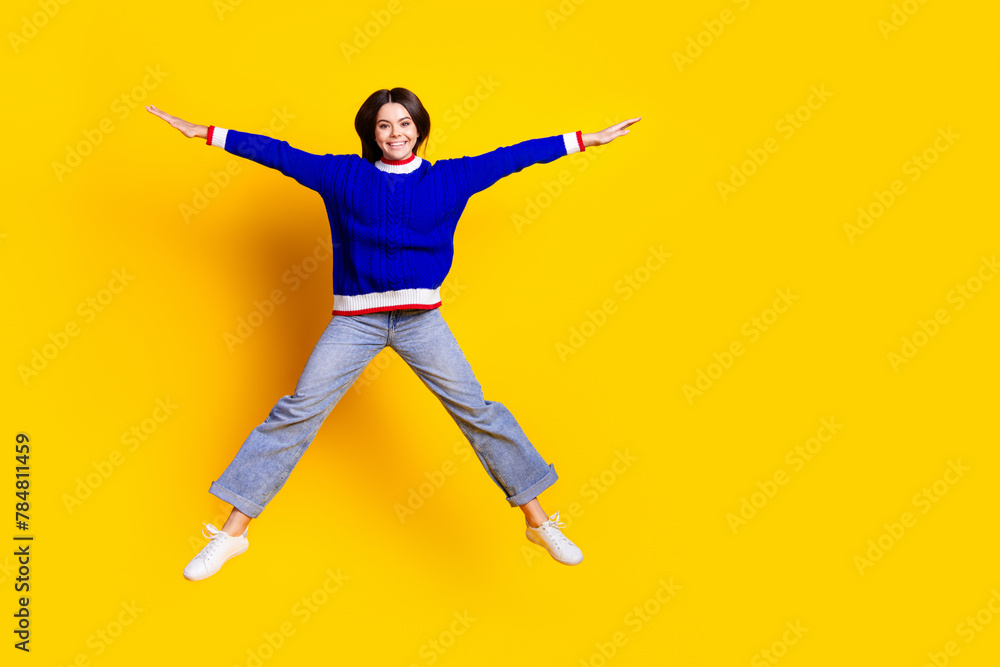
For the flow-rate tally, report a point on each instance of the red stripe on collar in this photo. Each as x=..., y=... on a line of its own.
x=406, y=161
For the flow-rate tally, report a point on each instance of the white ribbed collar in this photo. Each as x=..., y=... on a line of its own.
x=398, y=166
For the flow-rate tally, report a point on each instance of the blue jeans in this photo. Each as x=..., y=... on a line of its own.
x=424, y=340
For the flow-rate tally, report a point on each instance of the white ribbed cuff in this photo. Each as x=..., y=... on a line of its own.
x=417, y=297
x=572, y=141
x=219, y=137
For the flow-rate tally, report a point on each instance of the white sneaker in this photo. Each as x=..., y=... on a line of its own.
x=558, y=545
x=222, y=547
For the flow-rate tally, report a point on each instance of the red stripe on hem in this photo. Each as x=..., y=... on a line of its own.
x=579, y=140
x=211, y=128
x=419, y=306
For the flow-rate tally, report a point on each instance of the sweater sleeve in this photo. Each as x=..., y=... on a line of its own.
x=307, y=168
x=484, y=170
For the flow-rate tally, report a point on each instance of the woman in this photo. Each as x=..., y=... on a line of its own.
x=392, y=221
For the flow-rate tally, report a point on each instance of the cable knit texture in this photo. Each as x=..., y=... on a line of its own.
x=392, y=224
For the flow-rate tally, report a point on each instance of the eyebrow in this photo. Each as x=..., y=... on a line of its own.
x=385, y=120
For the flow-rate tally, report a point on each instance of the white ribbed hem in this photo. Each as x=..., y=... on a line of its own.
x=572, y=146
x=418, y=297
x=219, y=137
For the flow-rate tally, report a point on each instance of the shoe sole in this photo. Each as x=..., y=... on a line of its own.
x=232, y=555
x=534, y=541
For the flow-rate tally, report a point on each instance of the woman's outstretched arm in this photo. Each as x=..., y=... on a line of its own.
x=306, y=168
x=482, y=171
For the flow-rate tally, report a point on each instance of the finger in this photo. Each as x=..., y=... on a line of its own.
x=624, y=123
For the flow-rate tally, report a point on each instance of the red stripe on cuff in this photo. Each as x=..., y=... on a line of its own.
x=210, y=129
x=579, y=140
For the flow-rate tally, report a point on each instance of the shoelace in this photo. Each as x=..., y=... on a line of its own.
x=554, y=522
x=213, y=534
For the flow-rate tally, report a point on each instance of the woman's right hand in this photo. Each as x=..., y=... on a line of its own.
x=189, y=130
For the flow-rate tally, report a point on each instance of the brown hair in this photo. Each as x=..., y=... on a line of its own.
x=364, y=122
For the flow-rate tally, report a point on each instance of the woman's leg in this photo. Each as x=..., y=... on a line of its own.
x=533, y=513
x=424, y=340
x=236, y=523
x=267, y=457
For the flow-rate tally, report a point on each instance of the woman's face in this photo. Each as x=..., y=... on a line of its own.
x=395, y=132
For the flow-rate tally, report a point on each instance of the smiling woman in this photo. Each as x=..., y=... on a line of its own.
x=397, y=120
x=392, y=222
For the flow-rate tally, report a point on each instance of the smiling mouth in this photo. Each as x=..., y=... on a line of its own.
x=397, y=145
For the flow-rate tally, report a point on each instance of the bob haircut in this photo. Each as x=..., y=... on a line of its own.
x=364, y=122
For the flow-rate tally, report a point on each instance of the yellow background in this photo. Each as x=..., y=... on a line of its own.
x=517, y=294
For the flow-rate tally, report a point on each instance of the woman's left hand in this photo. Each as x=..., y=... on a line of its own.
x=606, y=136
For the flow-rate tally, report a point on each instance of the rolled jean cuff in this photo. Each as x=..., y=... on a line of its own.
x=251, y=509
x=532, y=491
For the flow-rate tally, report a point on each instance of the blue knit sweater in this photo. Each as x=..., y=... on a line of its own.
x=392, y=223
